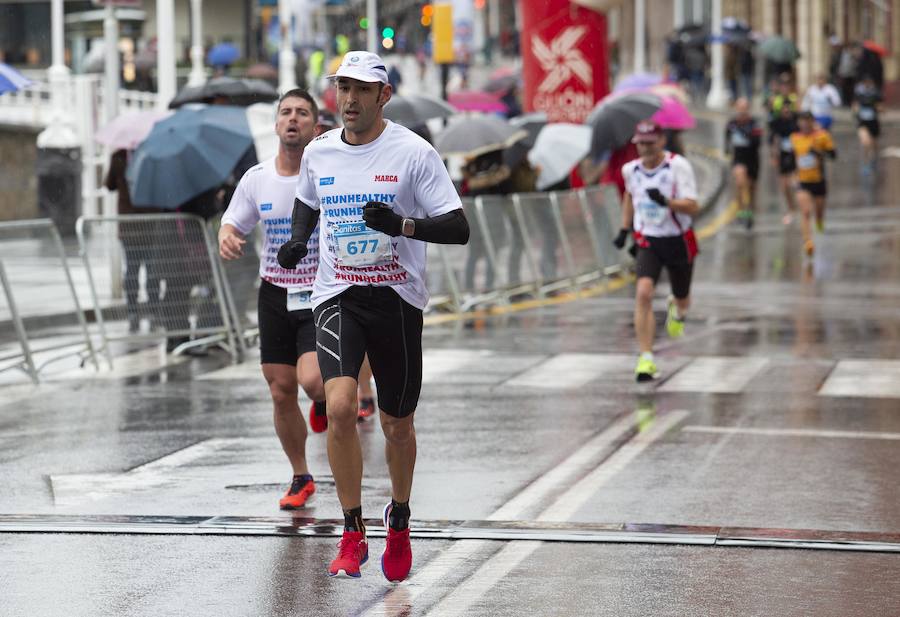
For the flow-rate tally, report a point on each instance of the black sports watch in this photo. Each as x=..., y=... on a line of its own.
x=408, y=227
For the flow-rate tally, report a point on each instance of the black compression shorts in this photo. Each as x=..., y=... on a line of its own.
x=671, y=254
x=283, y=336
x=377, y=321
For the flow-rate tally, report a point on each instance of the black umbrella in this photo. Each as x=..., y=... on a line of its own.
x=692, y=34
x=241, y=92
x=414, y=109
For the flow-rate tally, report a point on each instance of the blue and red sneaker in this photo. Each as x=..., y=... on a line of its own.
x=397, y=558
x=353, y=552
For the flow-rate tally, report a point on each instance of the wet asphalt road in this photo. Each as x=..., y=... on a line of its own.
x=779, y=410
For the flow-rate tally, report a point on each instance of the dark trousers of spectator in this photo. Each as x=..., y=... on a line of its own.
x=139, y=254
x=847, y=84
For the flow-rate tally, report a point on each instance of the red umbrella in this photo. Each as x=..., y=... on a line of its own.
x=875, y=47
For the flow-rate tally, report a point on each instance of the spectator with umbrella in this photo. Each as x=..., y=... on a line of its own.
x=123, y=135
x=181, y=166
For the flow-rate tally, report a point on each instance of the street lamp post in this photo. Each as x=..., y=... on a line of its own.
x=58, y=164
x=640, y=16
x=112, y=70
x=717, y=97
x=165, y=53
x=59, y=132
x=372, y=27
x=287, y=57
x=198, y=75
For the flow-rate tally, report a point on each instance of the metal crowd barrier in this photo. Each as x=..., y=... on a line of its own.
x=42, y=320
x=173, y=285
x=530, y=244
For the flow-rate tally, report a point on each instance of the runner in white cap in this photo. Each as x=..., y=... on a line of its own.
x=378, y=192
x=659, y=204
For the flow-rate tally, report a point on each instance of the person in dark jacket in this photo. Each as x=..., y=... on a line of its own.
x=138, y=239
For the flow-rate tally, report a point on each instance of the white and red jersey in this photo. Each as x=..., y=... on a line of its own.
x=400, y=169
x=674, y=178
x=264, y=196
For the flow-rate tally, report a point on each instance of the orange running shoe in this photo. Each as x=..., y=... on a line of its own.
x=353, y=552
x=302, y=488
x=318, y=417
x=366, y=408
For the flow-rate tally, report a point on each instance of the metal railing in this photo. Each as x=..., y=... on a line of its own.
x=173, y=284
x=43, y=320
x=529, y=244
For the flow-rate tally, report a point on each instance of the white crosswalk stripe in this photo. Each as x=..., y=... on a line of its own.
x=567, y=371
x=864, y=378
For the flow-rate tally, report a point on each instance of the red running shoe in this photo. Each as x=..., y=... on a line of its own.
x=366, y=408
x=318, y=419
x=397, y=558
x=302, y=488
x=353, y=552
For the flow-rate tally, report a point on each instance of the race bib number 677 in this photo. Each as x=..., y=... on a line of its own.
x=357, y=245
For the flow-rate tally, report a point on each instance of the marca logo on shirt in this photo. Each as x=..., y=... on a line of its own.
x=265, y=207
x=385, y=178
x=326, y=181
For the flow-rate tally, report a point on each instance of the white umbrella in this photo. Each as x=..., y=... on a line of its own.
x=261, y=118
x=558, y=149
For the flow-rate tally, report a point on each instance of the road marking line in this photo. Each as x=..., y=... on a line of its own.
x=570, y=370
x=864, y=378
x=791, y=432
x=73, y=489
x=502, y=563
x=459, y=555
x=731, y=375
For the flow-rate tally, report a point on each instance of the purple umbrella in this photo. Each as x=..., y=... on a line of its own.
x=638, y=81
x=129, y=130
x=471, y=100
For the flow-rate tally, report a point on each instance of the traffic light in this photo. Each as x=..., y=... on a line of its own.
x=364, y=23
x=427, y=15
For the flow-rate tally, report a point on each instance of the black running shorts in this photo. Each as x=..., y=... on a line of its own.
x=873, y=126
x=671, y=254
x=787, y=164
x=751, y=162
x=377, y=321
x=817, y=189
x=283, y=336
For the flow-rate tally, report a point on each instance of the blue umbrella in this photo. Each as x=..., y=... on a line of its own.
x=12, y=80
x=222, y=54
x=190, y=152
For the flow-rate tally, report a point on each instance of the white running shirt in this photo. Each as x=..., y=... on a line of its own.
x=399, y=168
x=264, y=195
x=820, y=101
x=674, y=178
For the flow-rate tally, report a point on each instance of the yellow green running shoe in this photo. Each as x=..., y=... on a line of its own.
x=646, y=369
x=674, y=325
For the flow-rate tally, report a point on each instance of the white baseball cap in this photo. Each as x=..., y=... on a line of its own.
x=362, y=65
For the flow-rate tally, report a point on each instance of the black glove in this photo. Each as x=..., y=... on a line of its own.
x=290, y=254
x=658, y=197
x=619, y=242
x=380, y=217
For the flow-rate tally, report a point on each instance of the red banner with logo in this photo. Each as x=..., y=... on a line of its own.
x=565, y=59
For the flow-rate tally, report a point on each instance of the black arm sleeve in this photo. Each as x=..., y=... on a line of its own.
x=449, y=228
x=303, y=222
